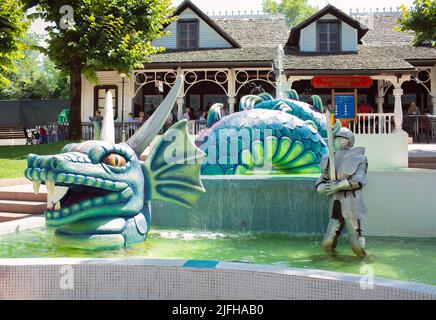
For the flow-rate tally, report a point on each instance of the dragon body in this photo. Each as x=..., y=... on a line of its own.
x=267, y=136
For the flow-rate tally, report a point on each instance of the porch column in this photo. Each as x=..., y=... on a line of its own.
x=181, y=97
x=232, y=102
x=397, y=92
x=231, y=88
x=398, y=109
x=433, y=88
x=380, y=96
x=180, y=102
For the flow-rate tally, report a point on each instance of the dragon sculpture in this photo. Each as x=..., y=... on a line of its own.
x=99, y=192
x=268, y=136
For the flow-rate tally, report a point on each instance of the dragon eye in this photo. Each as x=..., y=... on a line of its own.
x=115, y=160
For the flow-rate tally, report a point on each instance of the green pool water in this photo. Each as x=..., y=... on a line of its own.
x=396, y=258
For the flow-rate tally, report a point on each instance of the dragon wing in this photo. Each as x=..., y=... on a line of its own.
x=173, y=168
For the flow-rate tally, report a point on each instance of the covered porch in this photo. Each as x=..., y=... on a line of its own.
x=390, y=96
x=202, y=87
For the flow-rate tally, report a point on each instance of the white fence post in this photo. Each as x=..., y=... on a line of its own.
x=372, y=123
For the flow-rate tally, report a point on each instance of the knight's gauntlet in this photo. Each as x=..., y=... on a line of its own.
x=323, y=187
x=342, y=185
x=345, y=185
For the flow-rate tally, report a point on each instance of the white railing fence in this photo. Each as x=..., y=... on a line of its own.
x=129, y=129
x=366, y=123
x=376, y=11
x=372, y=123
x=56, y=131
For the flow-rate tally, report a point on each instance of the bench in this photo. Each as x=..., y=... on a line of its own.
x=13, y=132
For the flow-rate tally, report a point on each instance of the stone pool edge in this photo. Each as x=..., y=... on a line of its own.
x=298, y=283
x=41, y=278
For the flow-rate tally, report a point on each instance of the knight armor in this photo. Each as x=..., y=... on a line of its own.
x=348, y=208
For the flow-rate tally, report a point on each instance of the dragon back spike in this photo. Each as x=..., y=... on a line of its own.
x=317, y=103
x=292, y=94
x=215, y=113
x=249, y=101
x=146, y=133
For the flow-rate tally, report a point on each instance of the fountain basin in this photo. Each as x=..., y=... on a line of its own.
x=247, y=204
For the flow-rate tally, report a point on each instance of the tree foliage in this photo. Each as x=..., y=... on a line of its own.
x=36, y=76
x=13, y=25
x=90, y=35
x=421, y=18
x=102, y=34
x=295, y=11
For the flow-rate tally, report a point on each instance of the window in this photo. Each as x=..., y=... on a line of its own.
x=151, y=101
x=100, y=96
x=187, y=34
x=328, y=36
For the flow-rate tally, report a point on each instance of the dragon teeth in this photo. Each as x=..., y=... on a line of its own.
x=50, y=186
x=36, y=185
x=57, y=206
x=50, y=205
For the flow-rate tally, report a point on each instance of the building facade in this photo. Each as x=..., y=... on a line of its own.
x=225, y=57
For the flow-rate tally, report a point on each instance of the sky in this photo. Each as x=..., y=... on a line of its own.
x=255, y=5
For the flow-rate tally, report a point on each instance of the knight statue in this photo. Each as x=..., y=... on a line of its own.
x=348, y=208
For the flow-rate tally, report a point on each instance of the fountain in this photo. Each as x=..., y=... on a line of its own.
x=252, y=216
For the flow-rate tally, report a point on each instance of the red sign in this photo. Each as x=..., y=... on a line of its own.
x=337, y=82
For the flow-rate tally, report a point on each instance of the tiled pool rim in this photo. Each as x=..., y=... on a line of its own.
x=41, y=278
x=166, y=279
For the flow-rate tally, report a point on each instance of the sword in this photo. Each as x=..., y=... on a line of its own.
x=332, y=170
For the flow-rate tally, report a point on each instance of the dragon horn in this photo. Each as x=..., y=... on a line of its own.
x=146, y=133
x=108, y=127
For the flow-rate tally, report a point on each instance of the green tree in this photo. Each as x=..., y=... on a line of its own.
x=36, y=76
x=13, y=25
x=421, y=18
x=295, y=11
x=90, y=35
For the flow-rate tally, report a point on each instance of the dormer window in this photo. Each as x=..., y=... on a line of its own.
x=328, y=30
x=187, y=34
x=328, y=35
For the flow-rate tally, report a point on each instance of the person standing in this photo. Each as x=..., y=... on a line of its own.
x=43, y=135
x=130, y=120
x=189, y=114
x=97, y=121
x=416, y=123
x=141, y=117
x=203, y=116
x=413, y=110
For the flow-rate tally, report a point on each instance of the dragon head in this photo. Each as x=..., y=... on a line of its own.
x=99, y=192
x=88, y=180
